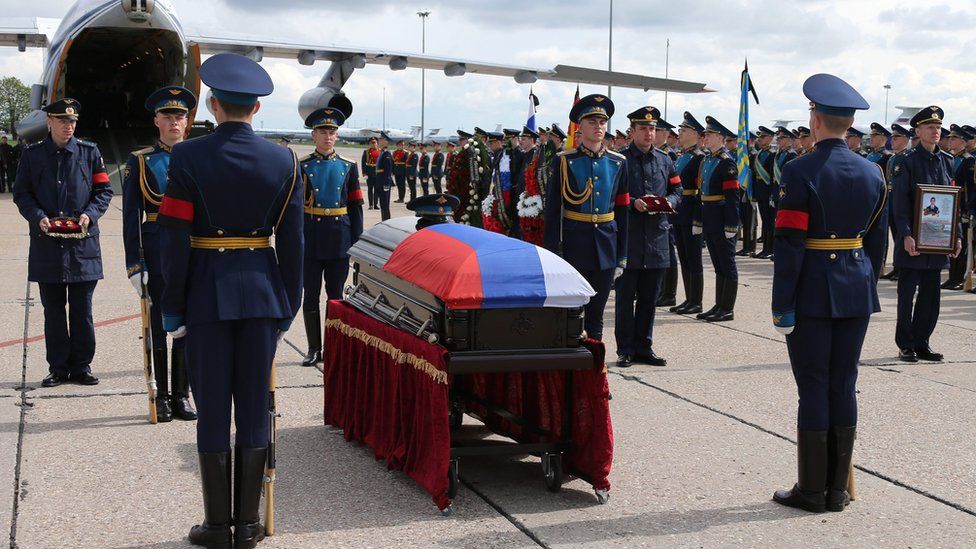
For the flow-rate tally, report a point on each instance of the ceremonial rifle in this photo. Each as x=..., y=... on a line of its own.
x=269, y=471
x=148, y=368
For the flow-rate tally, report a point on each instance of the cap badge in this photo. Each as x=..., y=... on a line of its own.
x=175, y=92
x=69, y=110
x=598, y=99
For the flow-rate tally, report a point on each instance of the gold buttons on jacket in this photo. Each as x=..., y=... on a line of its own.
x=220, y=232
x=833, y=256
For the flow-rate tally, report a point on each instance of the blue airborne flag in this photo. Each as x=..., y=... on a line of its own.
x=742, y=145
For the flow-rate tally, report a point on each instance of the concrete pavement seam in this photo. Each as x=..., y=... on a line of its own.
x=882, y=476
x=498, y=508
x=24, y=405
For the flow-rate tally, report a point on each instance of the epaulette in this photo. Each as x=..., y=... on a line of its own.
x=566, y=152
x=86, y=143
x=33, y=145
x=306, y=157
x=616, y=154
x=141, y=152
x=345, y=159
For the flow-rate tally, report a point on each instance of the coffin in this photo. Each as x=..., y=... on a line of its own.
x=496, y=303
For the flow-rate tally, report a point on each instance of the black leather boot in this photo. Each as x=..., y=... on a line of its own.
x=164, y=413
x=840, y=449
x=313, y=331
x=719, y=289
x=808, y=492
x=669, y=287
x=727, y=304
x=214, y=533
x=182, y=409
x=249, y=466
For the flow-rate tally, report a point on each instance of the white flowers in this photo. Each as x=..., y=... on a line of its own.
x=529, y=206
x=488, y=203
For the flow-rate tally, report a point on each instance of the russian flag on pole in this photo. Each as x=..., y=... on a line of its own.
x=533, y=103
x=471, y=268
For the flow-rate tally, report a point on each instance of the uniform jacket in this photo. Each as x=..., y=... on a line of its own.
x=648, y=242
x=142, y=193
x=384, y=170
x=881, y=158
x=763, y=187
x=718, y=207
x=399, y=162
x=231, y=183
x=437, y=165
x=780, y=160
x=68, y=182
x=369, y=162
x=916, y=166
x=597, y=183
x=831, y=193
x=331, y=182
x=423, y=168
x=412, y=160
x=687, y=167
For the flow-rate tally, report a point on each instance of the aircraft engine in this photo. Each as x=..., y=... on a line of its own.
x=32, y=127
x=137, y=10
x=317, y=98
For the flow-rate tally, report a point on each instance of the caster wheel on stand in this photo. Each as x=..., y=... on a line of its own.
x=453, y=480
x=552, y=469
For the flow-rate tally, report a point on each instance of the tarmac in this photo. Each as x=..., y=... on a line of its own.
x=700, y=445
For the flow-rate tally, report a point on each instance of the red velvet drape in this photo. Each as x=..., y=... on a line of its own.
x=389, y=390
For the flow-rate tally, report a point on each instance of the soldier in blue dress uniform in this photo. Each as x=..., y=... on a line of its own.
x=689, y=244
x=784, y=153
x=227, y=290
x=900, y=140
x=333, y=221
x=586, y=207
x=963, y=174
x=650, y=172
x=667, y=297
x=64, y=177
x=855, y=140
x=385, y=167
x=369, y=170
x=830, y=232
x=718, y=219
x=142, y=194
x=437, y=168
x=411, y=164
x=423, y=169
x=764, y=190
x=921, y=272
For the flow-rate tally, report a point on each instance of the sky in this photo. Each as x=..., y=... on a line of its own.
x=916, y=48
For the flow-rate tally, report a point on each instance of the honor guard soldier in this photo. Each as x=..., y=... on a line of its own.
x=925, y=164
x=784, y=153
x=747, y=208
x=227, y=290
x=586, y=207
x=669, y=284
x=879, y=146
x=61, y=182
x=650, y=173
x=412, y=164
x=689, y=244
x=830, y=232
x=718, y=219
x=437, y=168
x=142, y=194
x=901, y=138
x=557, y=137
x=400, y=170
x=804, y=140
x=333, y=221
x=370, y=156
x=963, y=174
x=423, y=169
x=385, y=170
x=855, y=140
x=764, y=190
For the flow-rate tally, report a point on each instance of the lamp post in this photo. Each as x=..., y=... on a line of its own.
x=424, y=14
x=384, y=108
x=610, y=58
x=887, y=88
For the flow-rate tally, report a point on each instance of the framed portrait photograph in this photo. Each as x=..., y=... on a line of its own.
x=936, y=218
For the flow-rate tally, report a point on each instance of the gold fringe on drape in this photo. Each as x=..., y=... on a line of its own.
x=386, y=347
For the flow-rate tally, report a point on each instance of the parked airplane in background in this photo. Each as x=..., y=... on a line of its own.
x=111, y=54
x=348, y=135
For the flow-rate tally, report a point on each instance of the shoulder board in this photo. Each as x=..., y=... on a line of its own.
x=947, y=154
x=86, y=143
x=33, y=145
x=141, y=152
x=567, y=152
x=343, y=158
x=305, y=158
x=615, y=154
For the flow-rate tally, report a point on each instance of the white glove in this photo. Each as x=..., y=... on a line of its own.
x=179, y=332
x=138, y=281
x=785, y=330
x=617, y=273
x=696, y=230
x=772, y=203
x=731, y=235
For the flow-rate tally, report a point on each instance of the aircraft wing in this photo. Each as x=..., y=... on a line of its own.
x=307, y=54
x=27, y=32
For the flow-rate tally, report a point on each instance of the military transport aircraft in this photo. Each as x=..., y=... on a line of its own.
x=110, y=54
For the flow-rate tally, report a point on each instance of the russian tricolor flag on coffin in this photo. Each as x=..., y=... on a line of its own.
x=471, y=268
